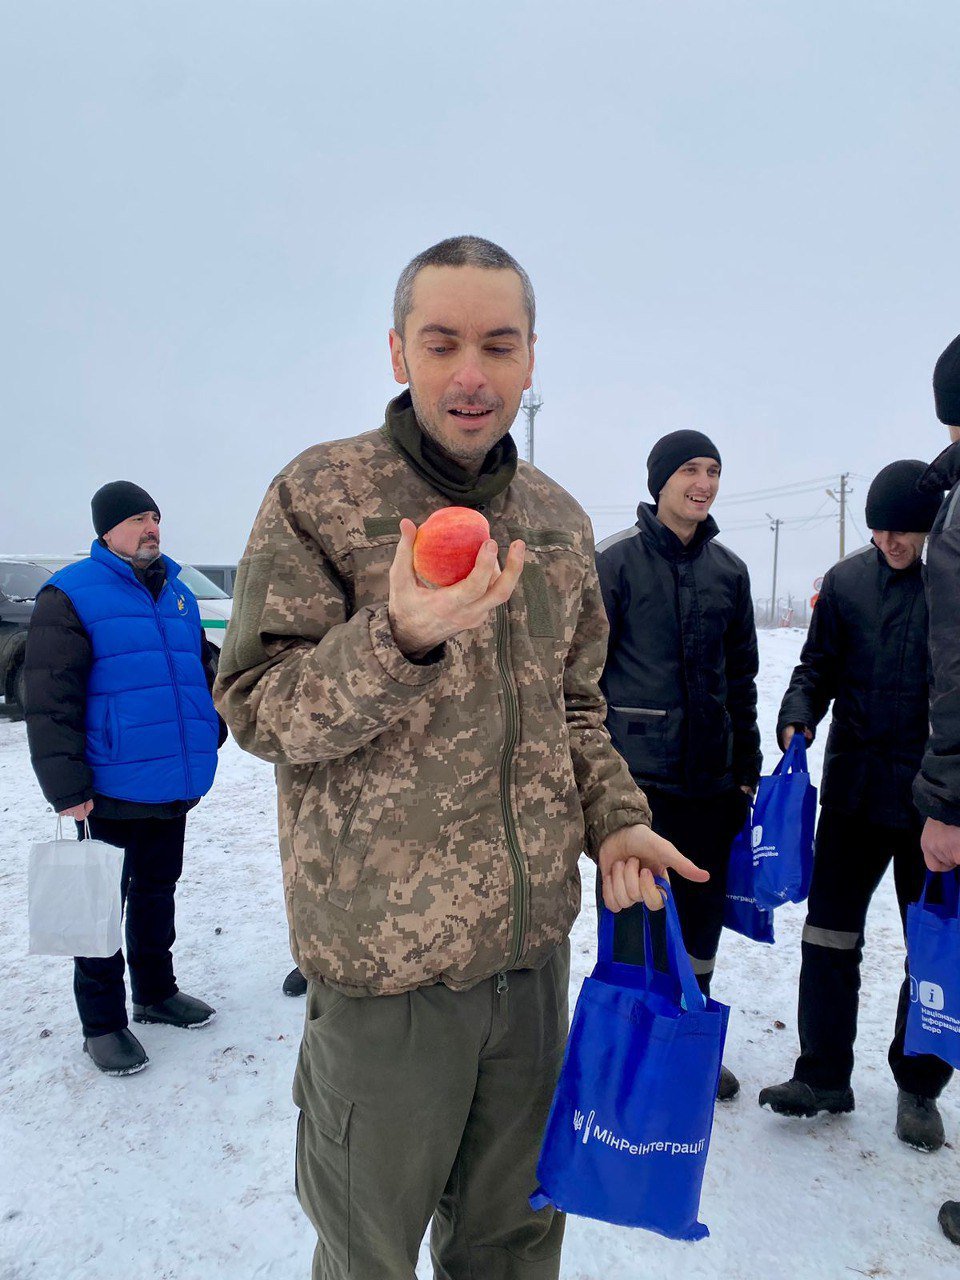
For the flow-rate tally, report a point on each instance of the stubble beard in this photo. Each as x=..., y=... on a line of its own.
x=461, y=451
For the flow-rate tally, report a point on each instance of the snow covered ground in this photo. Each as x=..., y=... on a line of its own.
x=185, y=1172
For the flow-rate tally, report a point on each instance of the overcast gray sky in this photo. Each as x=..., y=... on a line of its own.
x=740, y=217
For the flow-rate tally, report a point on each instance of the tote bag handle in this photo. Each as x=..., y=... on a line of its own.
x=86, y=828
x=677, y=958
x=794, y=759
x=948, y=884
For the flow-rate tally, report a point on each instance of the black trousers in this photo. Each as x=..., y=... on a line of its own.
x=703, y=829
x=852, y=855
x=153, y=861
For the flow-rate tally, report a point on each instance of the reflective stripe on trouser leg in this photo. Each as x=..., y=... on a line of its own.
x=828, y=1004
x=835, y=939
x=702, y=968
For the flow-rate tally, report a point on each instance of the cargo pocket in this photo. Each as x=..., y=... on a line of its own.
x=359, y=828
x=322, y=1174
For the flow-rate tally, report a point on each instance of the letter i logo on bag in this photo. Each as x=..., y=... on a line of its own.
x=931, y=996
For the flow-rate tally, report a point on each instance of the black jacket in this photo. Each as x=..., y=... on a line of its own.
x=866, y=651
x=937, y=787
x=57, y=662
x=680, y=676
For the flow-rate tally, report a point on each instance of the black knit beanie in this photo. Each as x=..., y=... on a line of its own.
x=672, y=451
x=896, y=505
x=117, y=501
x=946, y=384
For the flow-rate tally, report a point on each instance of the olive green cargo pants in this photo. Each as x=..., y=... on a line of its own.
x=431, y=1104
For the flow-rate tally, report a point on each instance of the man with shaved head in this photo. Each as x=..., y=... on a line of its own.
x=441, y=762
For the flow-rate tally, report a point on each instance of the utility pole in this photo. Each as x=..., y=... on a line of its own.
x=843, y=514
x=842, y=500
x=531, y=405
x=775, y=527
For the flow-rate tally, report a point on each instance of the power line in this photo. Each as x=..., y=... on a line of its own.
x=795, y=488
x=780, y=491
x=858, y=529
x=801, y=521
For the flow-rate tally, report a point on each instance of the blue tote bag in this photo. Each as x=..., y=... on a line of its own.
x=784, y=821
x=627, y=1137
x=933, y=959
x=740, y=910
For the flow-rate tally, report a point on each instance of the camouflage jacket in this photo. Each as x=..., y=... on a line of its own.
x=430, y=815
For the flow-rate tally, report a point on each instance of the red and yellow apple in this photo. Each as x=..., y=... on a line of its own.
x=446, y=546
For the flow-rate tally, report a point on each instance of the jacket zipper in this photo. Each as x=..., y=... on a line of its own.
x=511, y=708
x=173, y=680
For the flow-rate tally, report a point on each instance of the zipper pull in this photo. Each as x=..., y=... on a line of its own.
x=501, y=983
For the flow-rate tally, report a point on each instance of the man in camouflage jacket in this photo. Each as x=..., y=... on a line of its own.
x=441, y=763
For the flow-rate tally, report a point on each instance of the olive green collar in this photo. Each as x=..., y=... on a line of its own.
x=444, y=473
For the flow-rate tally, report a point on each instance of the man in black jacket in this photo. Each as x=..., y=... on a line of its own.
x=123, y=737
x=680, y=684
x=866, y=652
x=937, y=787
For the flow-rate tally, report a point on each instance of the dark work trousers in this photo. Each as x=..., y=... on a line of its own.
x=153, y=861
x=431, y=1105
x=852, y=855
x=703, y=830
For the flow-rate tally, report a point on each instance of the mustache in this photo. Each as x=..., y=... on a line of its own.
x=487, y=403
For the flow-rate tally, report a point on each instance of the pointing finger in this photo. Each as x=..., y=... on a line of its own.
x=674, y=860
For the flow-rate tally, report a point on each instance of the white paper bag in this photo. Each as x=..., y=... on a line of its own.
x=73, y=889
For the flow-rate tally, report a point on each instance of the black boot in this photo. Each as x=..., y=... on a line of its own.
x=949, y=1219
x=118, y=1053
x=794, y=1098
x=918, y=1122
x=294, y=984
x=729, y=1086
x=178, y=1010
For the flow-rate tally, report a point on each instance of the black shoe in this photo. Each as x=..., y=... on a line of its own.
x=794, y=1098
x=729, y=1086
x=949, y=1219
x=118, y=1053
x=294, y=984
x=178, y=1010
x=918, y=1122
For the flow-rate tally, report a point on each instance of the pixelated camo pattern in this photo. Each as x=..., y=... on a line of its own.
x=396, y=867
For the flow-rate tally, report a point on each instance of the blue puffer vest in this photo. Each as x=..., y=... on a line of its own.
x=151, y=725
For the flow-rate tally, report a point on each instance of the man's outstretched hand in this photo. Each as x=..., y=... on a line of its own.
x=630, y=858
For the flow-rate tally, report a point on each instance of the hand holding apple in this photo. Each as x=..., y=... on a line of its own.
x=422, y=617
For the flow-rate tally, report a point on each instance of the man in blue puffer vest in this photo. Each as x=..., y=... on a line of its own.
x=123, y=736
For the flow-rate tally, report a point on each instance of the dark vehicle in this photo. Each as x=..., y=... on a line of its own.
x=222, y=575
x=20, y=580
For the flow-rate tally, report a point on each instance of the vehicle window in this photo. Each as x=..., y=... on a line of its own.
x=222, y=574
x=216, y=576
x=201, y=586
x=20, y=582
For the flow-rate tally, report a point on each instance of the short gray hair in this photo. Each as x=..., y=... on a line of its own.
x=460, y=251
